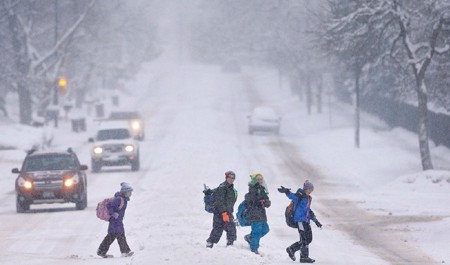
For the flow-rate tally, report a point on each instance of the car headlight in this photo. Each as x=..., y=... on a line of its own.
x=70, y=181
x=98, y=150
x=135, y=125
x=25, y=183
x=129, y=148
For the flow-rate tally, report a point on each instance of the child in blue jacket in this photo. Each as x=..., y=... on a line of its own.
x=302, y=215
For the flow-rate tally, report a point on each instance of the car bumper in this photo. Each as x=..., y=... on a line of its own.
x=115, y=159
x=59, y=195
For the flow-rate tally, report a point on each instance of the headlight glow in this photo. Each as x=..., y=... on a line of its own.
x=135, y=125
x=98, y=150
x=129, y=148
x=70, y=181
x=25, y=183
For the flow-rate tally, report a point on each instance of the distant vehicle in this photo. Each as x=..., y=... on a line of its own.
x=264, y=119
x=135, y=120
x=114, y=146
x=51, y=177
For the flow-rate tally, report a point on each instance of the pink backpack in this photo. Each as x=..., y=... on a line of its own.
x=102, y=210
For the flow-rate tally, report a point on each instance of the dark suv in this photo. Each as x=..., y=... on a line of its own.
x=51, y=177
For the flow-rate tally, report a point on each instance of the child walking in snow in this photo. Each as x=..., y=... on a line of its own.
x=302, y=215
x=116, y=229
x=225, y=198
x=257, y=200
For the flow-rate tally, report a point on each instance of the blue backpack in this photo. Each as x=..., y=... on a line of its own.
x=242, y=214
x=209, y=199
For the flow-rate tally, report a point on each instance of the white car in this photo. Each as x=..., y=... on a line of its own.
x=114, y=145
x=135, y=121
x=264, y=119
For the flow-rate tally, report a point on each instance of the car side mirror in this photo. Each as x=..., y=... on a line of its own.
x=91, y=140
x=83, y=167
x=15, y=170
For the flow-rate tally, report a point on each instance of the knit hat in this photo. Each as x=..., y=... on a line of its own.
x=125, y=187
x=254, y=176
x=308, y=185
x=253, y=181
x=230, y=173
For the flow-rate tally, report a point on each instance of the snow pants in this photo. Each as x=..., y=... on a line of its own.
x=109, y=239
x=219, y=226
x=259, y=229
x=305, y=233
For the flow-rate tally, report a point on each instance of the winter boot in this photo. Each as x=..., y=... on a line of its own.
x=291, y=253
x=307, y=260
x=128, y=254
x=247, y=238
x=209, y=244
x=103, y=255
x=229, y=243
x=256, y=252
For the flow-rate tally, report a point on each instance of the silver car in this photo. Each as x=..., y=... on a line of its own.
x=264, y=119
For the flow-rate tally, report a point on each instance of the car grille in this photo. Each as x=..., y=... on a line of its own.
x=47, y=184
x=113, y=148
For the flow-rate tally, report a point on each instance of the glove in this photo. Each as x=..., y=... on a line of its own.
x=262, y=202
x=225, y=217
x=319, y=225
x=115, y=215
x=283, y=190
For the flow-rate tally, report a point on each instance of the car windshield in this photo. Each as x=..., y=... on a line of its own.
x=123, y=115
x=265, y=113
x=113, y=134
x=49, y=162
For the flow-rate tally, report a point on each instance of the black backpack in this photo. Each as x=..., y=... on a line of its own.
x=289, y=215
x=209, y=199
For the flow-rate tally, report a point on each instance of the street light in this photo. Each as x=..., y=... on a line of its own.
x=61, y=88
x=62, y=85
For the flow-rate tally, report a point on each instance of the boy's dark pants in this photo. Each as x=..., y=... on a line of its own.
x=109, y=239
x=219, y=226
x=304, y=230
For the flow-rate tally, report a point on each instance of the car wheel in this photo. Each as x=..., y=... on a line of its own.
x=96, y=167
x=81, y=205
x=21, y=207
x=135, y=164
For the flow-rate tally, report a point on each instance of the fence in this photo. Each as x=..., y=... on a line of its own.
x=399, y=114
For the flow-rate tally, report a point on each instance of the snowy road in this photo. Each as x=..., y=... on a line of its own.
x=195, y=130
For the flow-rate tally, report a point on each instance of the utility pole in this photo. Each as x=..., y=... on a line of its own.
x=55, y=88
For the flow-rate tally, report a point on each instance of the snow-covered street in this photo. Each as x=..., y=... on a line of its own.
x=196, y=130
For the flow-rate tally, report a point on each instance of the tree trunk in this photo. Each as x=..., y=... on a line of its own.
x=308, y=95
x=319, y=94
x=22, y=65
x=423, y=124
x=357, y=110
x=24, y=104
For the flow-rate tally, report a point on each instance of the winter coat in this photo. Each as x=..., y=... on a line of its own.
x=225, y=198
x=302, y=204
x=116, y=225
x=257, y=201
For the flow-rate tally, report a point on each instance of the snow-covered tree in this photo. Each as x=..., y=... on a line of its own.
x=409, y=33
x=85, y=41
